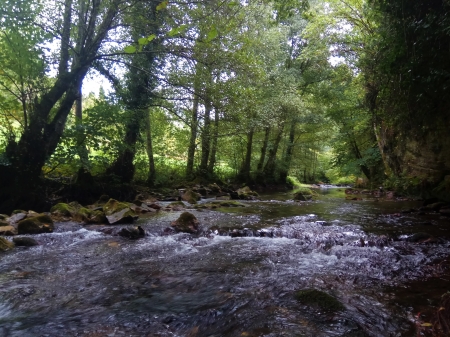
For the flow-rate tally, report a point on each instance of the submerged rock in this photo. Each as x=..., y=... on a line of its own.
x=319, y=299
x=36, y=225
x=118, y=212
x=132, y=233
x=25, y=241
x=5, y=245
x=186, y=223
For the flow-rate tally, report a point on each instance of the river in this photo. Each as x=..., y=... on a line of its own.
x=83, y=281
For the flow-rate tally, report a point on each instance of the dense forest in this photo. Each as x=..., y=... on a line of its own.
x=251, y=92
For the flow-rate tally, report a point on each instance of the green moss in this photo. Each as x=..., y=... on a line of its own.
x=36, y=225
x=319, y=299
x=114, y=206
x=17, y=211
x=5, y=245
x=62, y=209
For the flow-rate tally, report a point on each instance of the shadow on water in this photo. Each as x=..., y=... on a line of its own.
x=239, y=278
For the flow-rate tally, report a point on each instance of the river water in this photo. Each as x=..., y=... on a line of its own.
x=84, y=281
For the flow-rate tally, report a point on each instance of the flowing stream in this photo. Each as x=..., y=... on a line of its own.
x=238, y=278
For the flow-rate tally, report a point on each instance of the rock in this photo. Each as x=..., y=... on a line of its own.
x=8, y=230
x=154, y=206
x=36, y=225
x=245, y=193
x=220, y=203
x=190, y=196
x=3, y=223
x=3, y=217
x=103, y=199
x=25, y=241
x=445, y=211
x=177, y=206
x=186, y=223
x=118, y=212
x=319, y=299
x=223, y=197
x=62, y=209
x=132, y=233
x=17, y=211
x=97, y=216
x=422, y=238
x=436, y=206
x=72, y=211
x=302, y=196
x=214, y=188
x=16, y=217
x=5, y=245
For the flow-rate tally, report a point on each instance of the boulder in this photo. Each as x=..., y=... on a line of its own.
x=25, y=241
x=36, y=225
x=118, y=212
x=436, y=206
x=8, y=230
x=3, y=223
x=3, y=217
x=5, y=245
x=132, y=233
x=177, y=206
x=319, y=300
x=214, y=188
x=245, y=193
x=190, y=196
x=302, y=196
x=186, y=223
x=223, y=197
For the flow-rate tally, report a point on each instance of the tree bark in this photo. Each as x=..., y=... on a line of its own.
x=206, y=135
x=194, y=125
x=215, y=138
x=288, y=155
x=244, y=173
x=269, y=168
x=149, y=148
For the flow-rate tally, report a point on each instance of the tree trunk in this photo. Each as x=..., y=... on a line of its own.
x=262, y=157
x=81, y=137
x=206, y=136
x=194, y=126
x=212, y=156
x=244, y=173
x=149, y=148
x=269, y=169
x=288, y=155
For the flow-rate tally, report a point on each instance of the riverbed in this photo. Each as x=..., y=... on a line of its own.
x=239, y=277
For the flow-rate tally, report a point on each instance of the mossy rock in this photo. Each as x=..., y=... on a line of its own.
x=97, y=216
x=5, y=245
x=117, y=212
x=190, y=196
x=245, y=193
x=17, y=211
x=62, y=209
x=304, y=194
x=3, y=216
x=319, y=299
x=221, y=203
x=186, y=223
x=36, y=225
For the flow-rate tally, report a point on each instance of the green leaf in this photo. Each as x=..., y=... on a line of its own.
x=162, y=5
x=150, y=38
x=177, y=30
x=233, y=3
x=143, y=41
x=129, y=49
x=212, y=34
